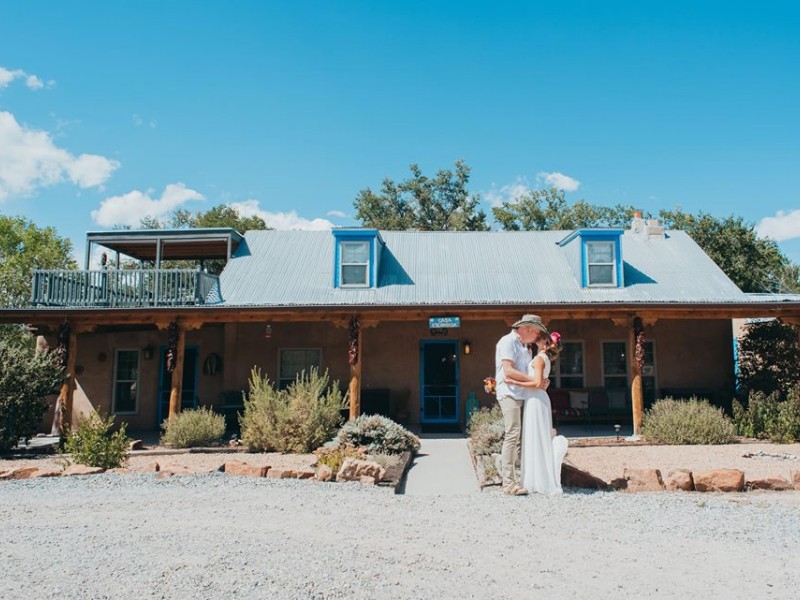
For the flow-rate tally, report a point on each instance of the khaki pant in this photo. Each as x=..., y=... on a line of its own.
x=512, y=440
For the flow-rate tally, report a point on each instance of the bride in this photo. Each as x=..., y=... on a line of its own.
x=542, y=454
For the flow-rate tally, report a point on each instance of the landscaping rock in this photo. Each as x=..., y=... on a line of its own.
x=19, y=473
x=119, y=471
x=281, y=473
x=353, y=469
x=304, y=474
x=151, y=467
x=324, y=473
x=164, y=474
x=136, y=445
x=643, y=480
x=719, y=480
x=46, y=472
x=576, y=478
x=775, y=484
x=245, y=470
x=680, y=480
x=82, y=470
x=367, y=480
x=795, y=475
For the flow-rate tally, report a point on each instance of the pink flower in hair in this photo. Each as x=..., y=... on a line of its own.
x=555, y=337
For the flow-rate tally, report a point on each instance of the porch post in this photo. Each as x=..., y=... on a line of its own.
x=637, y=396
x=354, y=356
x=177, y=374
x=67, y=392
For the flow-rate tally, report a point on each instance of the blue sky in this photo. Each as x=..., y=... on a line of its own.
x=110, y=110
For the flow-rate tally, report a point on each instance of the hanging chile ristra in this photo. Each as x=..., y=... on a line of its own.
x=638, y=340
x=352, y=348
x=172, y=346
x=62, y=350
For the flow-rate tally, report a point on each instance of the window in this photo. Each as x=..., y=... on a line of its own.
x=126, y=381
x=293, y=361
x=570, y=366
x=615, y=374
x=354, y=264
x=601, y=263
x=649, y=391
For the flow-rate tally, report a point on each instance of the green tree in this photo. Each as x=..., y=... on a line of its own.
x=769, y=359
x=25, y=247
x=547, y=209
x=441, y=203
x=220, y=215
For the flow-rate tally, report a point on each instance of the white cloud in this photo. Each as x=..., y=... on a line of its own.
x=280, y=220
x=783, y=226
x=131, y=208
x=560, y=181
x=29, y=160
x=337, y=213
x=511, y=192
x=32, y=81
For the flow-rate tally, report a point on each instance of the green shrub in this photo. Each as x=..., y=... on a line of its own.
x=94, y=444
x=193, y=428
x=297, y=419
x=768, y=417
x=26, y=377
x=692, y=421
x=486, y=430
x=334, y=456
x=379, y=435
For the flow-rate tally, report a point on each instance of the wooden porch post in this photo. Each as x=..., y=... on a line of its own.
x=65, y=397
x=177, y=374
x=637, y=396
x=355, y=369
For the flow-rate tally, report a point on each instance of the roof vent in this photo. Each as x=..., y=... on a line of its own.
x=646, y=228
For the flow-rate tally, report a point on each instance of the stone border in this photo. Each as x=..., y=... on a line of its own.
x=395, y=474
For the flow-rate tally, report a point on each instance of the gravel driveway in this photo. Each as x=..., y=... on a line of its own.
x=218, y=536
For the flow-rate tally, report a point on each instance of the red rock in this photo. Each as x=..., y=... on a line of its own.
x=680, y=480
x=719, y=480
x=46, y=472
x=281, y=473
x=367, y=480
x=151, y=467
x=776, y=484
x=353, y=469
x=795, y=475
x=304, y=474
x=245, y=470
x=643, y=480
x=576, y=478
x=119, y=471
x=324, y=473
x=19, y=473
x=82, y=470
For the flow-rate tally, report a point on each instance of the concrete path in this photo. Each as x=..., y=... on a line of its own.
x=442, y=468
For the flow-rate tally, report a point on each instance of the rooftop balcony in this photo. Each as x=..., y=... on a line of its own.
x=124, y=288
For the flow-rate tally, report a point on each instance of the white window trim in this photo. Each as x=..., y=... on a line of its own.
x=115, y=381
x=343, y=264
x=282, y=350
x=571, y=375
x=613, y=264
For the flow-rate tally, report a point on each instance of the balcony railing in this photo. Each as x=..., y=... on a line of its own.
x=125, y=288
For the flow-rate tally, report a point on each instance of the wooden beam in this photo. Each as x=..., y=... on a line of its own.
x=177, y=375
x=637, y=396
x=355, y=382
x=67, y=393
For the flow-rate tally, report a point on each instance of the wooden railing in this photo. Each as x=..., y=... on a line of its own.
x=121, y=288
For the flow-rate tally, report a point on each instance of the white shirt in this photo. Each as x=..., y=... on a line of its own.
x=510, y=348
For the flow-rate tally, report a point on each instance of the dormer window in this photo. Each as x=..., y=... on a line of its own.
x=357, y=255
x=354, y=264
x=601, y=264
x=595, y=256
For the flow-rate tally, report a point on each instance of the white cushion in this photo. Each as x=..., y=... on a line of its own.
x=579, y=399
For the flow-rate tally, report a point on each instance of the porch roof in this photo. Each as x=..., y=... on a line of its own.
x=176, y=244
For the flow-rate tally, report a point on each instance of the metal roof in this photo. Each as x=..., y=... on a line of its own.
x=295, y=268
x=198, y=243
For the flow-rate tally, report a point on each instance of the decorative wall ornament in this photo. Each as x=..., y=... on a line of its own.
x=62, y=350
x=352, y=348
x=172, y=346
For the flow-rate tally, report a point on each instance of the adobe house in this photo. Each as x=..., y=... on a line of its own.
x=406, y=321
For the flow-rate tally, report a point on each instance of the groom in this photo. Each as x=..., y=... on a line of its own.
x=511, y=360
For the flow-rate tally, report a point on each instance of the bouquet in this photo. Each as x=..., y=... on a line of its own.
x=490, y=385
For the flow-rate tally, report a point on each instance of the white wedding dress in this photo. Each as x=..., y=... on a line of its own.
x=542, y=454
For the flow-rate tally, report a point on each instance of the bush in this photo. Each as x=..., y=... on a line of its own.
x=334, y=456
x=692, y=421
x=769, y=358
x=192, y=428
x=298, y=419
x=379, y=435
x=26, y=377
x=767, y=417
x=486, y=430
x=94, y=444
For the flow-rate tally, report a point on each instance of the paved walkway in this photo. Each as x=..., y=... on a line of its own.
x=442, y=468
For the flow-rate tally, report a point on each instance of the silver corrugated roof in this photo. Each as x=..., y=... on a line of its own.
x=295, y=268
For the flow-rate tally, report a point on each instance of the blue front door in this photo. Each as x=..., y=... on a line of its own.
x=439, y=385
x=189, y=394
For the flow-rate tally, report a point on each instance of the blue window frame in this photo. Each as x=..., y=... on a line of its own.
x=355, y=258
x=595, y=256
